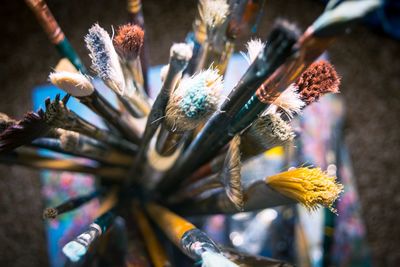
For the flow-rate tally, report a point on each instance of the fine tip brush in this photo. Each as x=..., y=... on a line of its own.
x=70, y=204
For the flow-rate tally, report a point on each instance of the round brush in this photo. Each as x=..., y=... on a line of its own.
x=265, y=133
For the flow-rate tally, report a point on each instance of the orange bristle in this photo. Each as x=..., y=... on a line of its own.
x=128, y=41
x=318, y=79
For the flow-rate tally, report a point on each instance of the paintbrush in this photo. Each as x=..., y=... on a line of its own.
x=128, y=43
x=228, y=178
x=216, y=49
x=30, y=158
x=311, y=44
x=311, y=187
x=69, y=205
x=54, y=32
x=106, y=64
x=190, y=240
x=154, y=248
x=179, y=56
x=136, y=18
x=190, y=105
x=80, y=87
x=266, y=132
x=59, y=116
x=105, y=215
x=23, y=132
x=247, y=260
x=216, y=132
x=5, y=122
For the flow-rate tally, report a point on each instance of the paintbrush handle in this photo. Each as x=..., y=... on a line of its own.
x=54, y=32
x=76, y=202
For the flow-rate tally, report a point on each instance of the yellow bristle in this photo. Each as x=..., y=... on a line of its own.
x=312, y=187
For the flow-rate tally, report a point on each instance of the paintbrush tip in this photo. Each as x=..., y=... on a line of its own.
x=213, y=259
x=318, y=79
x=128, y=41
x=50, y=213
x=75, y=84
x=181, y=51
x=213, y=13
x=74, y=251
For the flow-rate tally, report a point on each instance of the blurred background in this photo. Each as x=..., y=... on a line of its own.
x=367, y=60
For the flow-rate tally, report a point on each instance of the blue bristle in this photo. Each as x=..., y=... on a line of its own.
x=194, y=102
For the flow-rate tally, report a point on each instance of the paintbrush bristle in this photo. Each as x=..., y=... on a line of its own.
x=75, y=84
x=213, y=12
x=104, y=58
x=213, y=259
x=289, y=101
x=181, y=51
x=5, y=122
x=318, y=79
x=128, y=41
x=310, y=186
x=69, y=141
x=266, y=132
x=254, y=47
x=50, y=213
x=74, y=250
x=32, y=126
x=230, y=175
x=194, y=101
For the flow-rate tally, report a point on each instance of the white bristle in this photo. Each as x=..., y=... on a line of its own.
x=163, y=72
x=75, y=84
x=105, y=59
x=181, y=51
x=195, y=99
x=254, y=47
x=74, y=251
x=213, y=12
x=212, y=259
x=289, y=101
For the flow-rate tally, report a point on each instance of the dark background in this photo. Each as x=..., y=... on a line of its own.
x=369, y=64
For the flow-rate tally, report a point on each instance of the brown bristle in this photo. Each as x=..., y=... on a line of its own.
x=50, y=213
x=31, y=127
x=318, y=79
x=5, y=122
x=128, y=41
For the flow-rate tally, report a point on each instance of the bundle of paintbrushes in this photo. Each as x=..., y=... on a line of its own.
x=182, y=153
